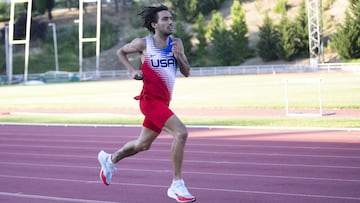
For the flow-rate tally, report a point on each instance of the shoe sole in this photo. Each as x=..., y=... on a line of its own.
x=102, y=176
x=175, y=197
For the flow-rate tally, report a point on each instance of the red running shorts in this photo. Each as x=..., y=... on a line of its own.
x=156, y=113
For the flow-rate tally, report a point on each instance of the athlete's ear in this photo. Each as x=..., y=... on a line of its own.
x=153, y=24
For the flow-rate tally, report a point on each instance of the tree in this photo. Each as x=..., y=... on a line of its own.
x=238, y=31
x=346, y=41
x=268, y=38
x=291, y=39
x=200, y=30
x=286, y=48
x=302, y=32
x=206, y=7
x=221, y=40
x=41, y=6
x=188, y=10
x=281, y=6
x=184, y=10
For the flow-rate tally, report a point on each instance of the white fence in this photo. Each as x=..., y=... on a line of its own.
x=252, y=69
x=218, y=70
x=351, y=67
x=244, y=70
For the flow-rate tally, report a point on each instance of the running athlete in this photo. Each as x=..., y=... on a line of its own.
x=161, y=55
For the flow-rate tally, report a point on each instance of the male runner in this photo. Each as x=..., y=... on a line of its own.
x=161, y=55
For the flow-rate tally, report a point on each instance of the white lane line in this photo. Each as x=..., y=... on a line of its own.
x=22, y=154
x=278, y=193
x=101, y=115
x=203, y=173
x=188, y=126
x=190, y=144
x=250, y=191
x=202, y=188
x=50, y=198
x=214, y=162
x=273, y=176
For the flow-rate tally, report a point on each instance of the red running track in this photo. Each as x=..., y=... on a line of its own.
x=59, y=164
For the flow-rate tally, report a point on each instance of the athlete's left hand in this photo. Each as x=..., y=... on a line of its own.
x=177, y=49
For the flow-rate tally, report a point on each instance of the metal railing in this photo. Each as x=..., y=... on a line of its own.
x=252, y=69
x=351, y=67
x=220, y=70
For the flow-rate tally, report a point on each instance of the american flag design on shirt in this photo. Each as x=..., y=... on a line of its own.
x=159, y=70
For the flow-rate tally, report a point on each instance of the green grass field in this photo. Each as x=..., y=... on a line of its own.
x=339, y=91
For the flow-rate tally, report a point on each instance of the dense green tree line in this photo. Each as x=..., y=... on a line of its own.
x=216, y=42
x=287, y=40
x=226, y=44
x=291, y=39
x=188, y=10
x=346, y=41
x=229, y=44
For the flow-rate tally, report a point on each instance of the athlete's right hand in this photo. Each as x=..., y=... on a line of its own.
x=137, y=75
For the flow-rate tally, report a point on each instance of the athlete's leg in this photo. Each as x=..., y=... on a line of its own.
x=175, y=127
x=142, y=143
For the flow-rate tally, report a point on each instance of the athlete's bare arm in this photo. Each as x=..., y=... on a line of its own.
x=138, y=45
x=178, y=51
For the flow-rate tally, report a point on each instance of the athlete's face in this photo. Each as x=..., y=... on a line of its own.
x=165, y=23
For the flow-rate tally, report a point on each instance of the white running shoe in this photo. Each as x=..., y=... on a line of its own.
x=107, y=167
x=178, y=191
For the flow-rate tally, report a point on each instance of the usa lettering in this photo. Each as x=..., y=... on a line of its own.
x=163, y=62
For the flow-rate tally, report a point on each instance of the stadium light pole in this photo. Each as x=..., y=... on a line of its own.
x=315, y=31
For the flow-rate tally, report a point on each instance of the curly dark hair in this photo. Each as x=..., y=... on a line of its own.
x=149, y=15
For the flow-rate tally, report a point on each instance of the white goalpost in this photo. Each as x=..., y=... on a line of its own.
x=316, y=84
x=10, y=41
x=95, y=39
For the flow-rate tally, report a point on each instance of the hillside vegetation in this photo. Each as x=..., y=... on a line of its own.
x=127, y=26
x=255, y=12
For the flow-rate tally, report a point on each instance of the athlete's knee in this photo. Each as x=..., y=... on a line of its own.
x=181, y=135
x=142, y=146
